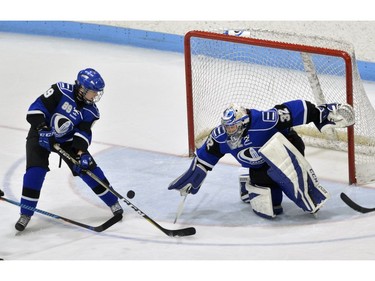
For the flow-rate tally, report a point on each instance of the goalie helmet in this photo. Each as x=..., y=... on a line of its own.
x=234, y=121
x=90, y=86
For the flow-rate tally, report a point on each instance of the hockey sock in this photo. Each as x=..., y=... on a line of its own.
x=32, y=184
x=105, y=195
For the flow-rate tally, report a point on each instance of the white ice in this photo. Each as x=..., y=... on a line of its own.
x=141, y=144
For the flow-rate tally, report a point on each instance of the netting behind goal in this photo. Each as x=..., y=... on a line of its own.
x=260, y=68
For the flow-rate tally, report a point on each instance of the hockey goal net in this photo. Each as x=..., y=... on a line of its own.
x=261, y=68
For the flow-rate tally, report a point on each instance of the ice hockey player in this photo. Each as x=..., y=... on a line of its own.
x=64, y=114
x=265, y=142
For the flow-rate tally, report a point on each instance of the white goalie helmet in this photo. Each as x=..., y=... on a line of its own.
x=234, y=121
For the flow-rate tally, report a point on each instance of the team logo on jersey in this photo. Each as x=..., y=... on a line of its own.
x=250, y=156
x=61, y=125
x=75, y=113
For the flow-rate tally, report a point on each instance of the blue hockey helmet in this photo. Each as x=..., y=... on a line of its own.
x=90, y=80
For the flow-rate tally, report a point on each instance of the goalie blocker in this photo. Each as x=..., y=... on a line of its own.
x=295, y=176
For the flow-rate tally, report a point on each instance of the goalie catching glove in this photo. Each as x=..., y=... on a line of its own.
x=335, y=115
x=191, y=180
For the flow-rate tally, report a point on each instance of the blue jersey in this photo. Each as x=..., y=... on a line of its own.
x=261, y=127
x=58, y=104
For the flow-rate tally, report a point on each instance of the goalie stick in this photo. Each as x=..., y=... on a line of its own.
x=354, y=205
x=180, y=208
x=99, y=228
x=172, y=233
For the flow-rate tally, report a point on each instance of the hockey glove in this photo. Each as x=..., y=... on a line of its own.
x=191, y=180
x=335, y=115
x=85, y=162
x=46, y=138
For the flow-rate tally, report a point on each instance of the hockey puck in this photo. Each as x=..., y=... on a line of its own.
x=130, y=194
x=1, y=193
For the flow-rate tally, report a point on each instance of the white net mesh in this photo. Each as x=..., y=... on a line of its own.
x=260, y=77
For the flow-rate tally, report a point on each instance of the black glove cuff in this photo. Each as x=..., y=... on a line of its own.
x=41, y=126
x=204, y=166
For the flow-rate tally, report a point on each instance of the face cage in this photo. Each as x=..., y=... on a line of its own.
x=232, y=129
x=82, y=94
x=234, y=138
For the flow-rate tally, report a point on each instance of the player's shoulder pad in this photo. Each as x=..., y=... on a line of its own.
x=219, y=134
x=263, y=120
x=65, y=88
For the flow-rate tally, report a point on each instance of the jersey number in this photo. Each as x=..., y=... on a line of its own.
x=209, y=142
x=67, y=107
x=284, y=115
x=48, y=93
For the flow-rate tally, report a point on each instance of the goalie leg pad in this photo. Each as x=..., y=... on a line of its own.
x=244, y=194
x=276, y=194
x=261, y=201
x=293, y=173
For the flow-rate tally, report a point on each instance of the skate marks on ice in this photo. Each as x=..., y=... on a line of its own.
x=216, y=211
x=217, y=202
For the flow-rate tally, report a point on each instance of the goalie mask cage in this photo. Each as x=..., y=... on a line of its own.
x=262, y=68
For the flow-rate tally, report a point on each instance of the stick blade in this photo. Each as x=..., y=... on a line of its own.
x=181, y=232
x=354, y=205
x=108, y=223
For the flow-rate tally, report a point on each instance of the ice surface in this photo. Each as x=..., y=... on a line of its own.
x=141, y=144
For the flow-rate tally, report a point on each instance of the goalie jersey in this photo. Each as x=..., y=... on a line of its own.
x=260, y=128
x=70, y=119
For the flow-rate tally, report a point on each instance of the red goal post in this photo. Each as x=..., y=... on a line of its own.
x=207, y=40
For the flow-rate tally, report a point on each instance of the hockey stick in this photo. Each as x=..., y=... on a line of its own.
x=354, y=205
x=180, y=208
x=173, y=233
x=181, y=205
x=99, y=228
